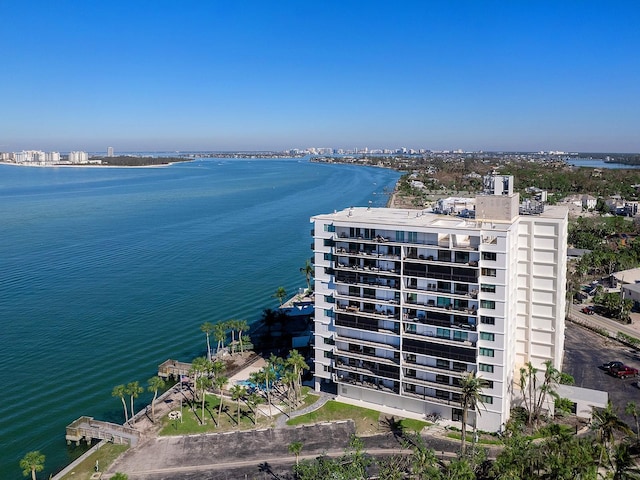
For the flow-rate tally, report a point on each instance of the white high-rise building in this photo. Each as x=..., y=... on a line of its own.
x=406, y=301
x=78, y=157
x=109, y=151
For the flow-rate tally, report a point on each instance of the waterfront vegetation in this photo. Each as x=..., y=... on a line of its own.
x=105, y=456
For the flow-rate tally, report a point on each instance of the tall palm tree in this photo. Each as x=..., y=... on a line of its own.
x=32, y=462
x=632, y=409
x=606, y=423
x=280, y=294
x=289, y=379
x=220, y=335
x=308, y=272
x=253, y=400
x=207, y=328
x=237, y=393
x=203, y=383
x=295, y=448
x=297, y=362
x=133, y=390
x=120, y=391
x=220, y=382
x=154, y=384
x=200, y=367
x=243, y=327
x=470, y=399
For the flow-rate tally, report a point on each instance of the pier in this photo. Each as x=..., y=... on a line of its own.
x=89, y=429
x=173, y=368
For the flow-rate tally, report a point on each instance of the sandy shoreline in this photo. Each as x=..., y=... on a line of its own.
x=89, y=165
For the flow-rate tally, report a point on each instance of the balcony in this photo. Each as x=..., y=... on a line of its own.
x=437, y=370
x=394, y=375
x=430, y=384
x=442, y=340
x=365, y=384
x=360, y=355
x=429, y=398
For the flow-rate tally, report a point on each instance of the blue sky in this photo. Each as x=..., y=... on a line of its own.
x=231, y=75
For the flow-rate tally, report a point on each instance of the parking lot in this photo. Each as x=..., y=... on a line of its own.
x=585, y=351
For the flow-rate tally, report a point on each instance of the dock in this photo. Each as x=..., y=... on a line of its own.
x=88, y=429
x=173, y=369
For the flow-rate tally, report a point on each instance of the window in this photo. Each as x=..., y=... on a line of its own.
x=440, y=363
x=488, y=272
x=329, y=313
x=327, y=242
x=491, y=256
x=411, y=358
x=399, y=236
x=487, y=352
x=329, y=299
x=490, y=304
x=487, y=336
x=329, y=341
x=488, y=288
x=487, y=320
x=329, y=228
x=486, y=399
x=485, y=368
x=462, y=336
x=328, y=256
x=413, y=237
x=488, y=384
x=328, y=354
x=443, y=333
x=325, y=368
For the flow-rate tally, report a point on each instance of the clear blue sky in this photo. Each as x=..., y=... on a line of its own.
x=229, y=75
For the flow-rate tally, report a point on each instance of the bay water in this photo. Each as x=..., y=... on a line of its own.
x=107, y=272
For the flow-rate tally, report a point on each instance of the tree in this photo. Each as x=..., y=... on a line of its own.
x=295, y=448
x=606, y=423
x=243, y=327
x=134, y=390
x=632, y=409
x=120, y=391
x=207, y=328
x=298, y=364
x=154, y=384
x=203, y=382
x=253, y=400
x=31, y=463
x=237, y=393
x=308, y=272
x=470, y=399
x=220, y=334
x=220, y=381
x=280, y=294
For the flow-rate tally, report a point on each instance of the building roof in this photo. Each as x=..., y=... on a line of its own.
x=628, y=276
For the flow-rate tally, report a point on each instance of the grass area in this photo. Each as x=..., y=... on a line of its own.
x=482, y=439
x=367, y=421
x=213, y=421
x=105, y=457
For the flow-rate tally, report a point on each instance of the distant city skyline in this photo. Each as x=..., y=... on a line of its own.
x=212, y=76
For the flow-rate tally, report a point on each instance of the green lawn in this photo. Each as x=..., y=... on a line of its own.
x=105, y=457
x=367, y=421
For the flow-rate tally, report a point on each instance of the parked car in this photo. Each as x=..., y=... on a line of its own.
x=587, y=310
x=609, y=366
x=624, y=372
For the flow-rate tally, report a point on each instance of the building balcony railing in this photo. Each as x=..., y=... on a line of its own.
x=446, y=291
x=452, y=277
x=431, y=384
x=370, y=385
x=388, y=239
x=393, y=375
x=379, y=314
x=437, y=322
x=367, y=343
x=360, y=355
x=357, y=268
x=429, y=259
x=432, y=306
x=442, y=340
x=429, y=398
x=456, y=371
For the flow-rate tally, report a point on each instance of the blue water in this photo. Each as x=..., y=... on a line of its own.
x=106, y=273
x=598, y=163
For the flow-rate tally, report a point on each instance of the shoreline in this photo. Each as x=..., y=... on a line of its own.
x=88, y=165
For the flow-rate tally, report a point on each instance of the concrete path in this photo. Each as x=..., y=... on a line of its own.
x=281, y=421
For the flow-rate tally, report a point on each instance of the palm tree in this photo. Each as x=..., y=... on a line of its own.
x=237, y=392
x=220, y=381
x=207, y=328
x=32, y=462
x=632, y=409
x=289, y=379
x=120, y=391
x=253, y=400
x=243, y=326
x=134, y=390
x=297, y=362
x=295, y=448
x=470, y=398
x=624, y=464
x=203, y=383
x=220, y=334
x=280, y=294
x=218, y=367
x=154, y=384
x=308, y=272
x=606, y=423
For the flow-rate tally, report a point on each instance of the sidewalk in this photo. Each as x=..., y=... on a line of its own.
x=596, y=321
x=281, y=421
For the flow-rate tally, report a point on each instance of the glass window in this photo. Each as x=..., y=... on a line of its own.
x=487, y=320
x=328, y=256
x=329, y=228
x=487, y=352
x=329, y=313
x=488, y=272
x=487, y=336
x=443, y=333
x=488, y=288
x=485, y=368
x=457, y=335
x=487, y=399
x=413, y=237
x=399, y=236
x=490, y=304
x=491, y=256
x=440, y=363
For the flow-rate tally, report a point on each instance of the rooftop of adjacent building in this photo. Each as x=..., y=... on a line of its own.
x=426, y=218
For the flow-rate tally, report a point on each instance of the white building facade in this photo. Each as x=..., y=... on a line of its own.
x=407, y=301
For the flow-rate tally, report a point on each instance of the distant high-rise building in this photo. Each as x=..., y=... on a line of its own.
x=78, y=157
x=109, y=151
